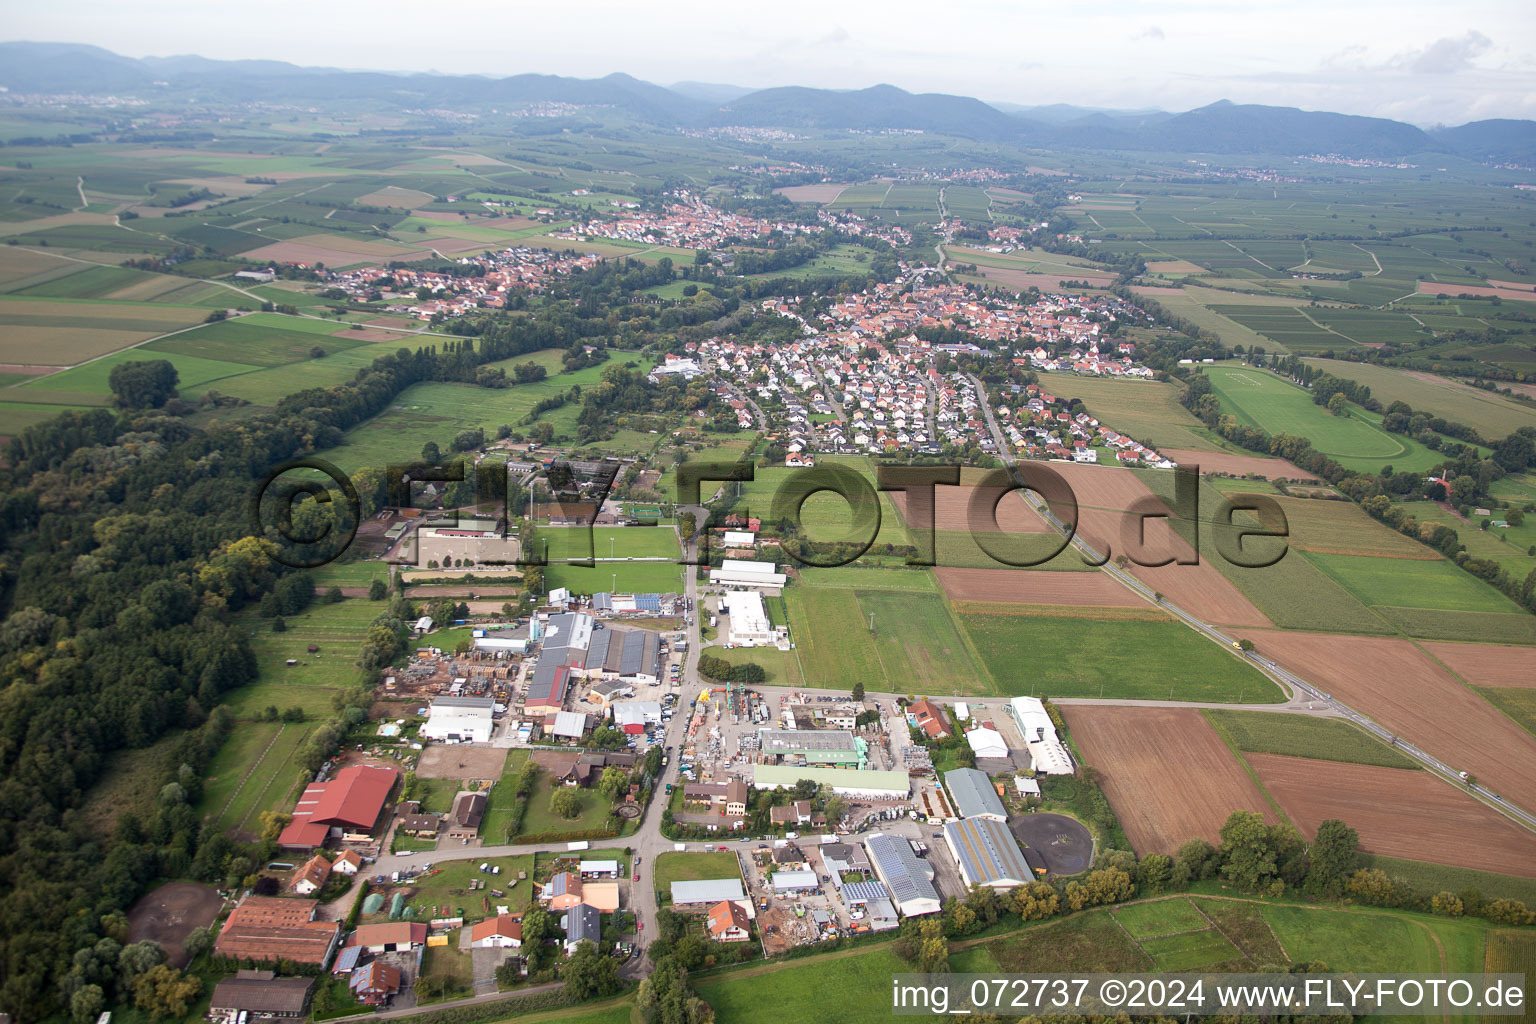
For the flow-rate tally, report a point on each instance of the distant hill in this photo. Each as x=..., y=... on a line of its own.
x=1220, y=128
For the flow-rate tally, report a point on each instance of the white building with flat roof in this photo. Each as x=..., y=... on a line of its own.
x=749, y=620
x=460, y=720
x=736, y=572
x=1047, y=753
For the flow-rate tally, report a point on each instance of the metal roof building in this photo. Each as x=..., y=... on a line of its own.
x=987, y=853
x=461, y=719
x=708, y=890
x=795, y=881
x=858, y=783
x=909, y=878
x=864, y=892
x=1046, y=752
x=636, y=712
x=735, y=572
x=973, y=795
x=570, y=724
x=817, y=746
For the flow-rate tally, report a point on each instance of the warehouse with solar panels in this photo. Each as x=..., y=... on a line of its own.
x=987, y=853
x=905, y=874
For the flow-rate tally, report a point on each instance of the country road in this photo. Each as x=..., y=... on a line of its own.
x=1300, y=691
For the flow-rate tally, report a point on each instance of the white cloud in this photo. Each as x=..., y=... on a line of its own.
x=1150, y=32
x=1444, y=56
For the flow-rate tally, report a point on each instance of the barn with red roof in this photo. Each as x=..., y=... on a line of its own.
x=352, y=801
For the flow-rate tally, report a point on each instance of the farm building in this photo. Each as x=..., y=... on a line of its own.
x=311, y=876
x=749, y=620
x=569, y=725
x=861, y=784
x=973, y=795
x=271, y=928
x=460, y=720
x=707, y=890
x=728, y=922
x=812, y=746
x=349, y=803
x=582, y=923
x=1047, y=753
x=390, y=936
x=795, y=881
x=349, y=863
x=503, y=931
x=261, y=993
x=906, y=875
x=987, y=853
x=734, y=572
x=634, y=715
x=987, y=742
x=929, y=717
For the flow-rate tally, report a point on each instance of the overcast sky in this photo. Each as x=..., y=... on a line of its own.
x=1416, y=61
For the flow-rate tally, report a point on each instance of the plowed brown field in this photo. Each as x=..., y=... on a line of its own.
x=950, y=504
x=1024, y=586
x=1167, y=774
x=1238, y=465
x=1407, y=692
x=1399, y=813
x=1489, y=664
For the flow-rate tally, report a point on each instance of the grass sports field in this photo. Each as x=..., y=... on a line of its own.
x=567, y=543
x=1263, y=400
x=1063, y=657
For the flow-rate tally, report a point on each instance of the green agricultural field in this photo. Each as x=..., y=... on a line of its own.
x=919, y=645
x=1325, y=739
x=1261, y=399
x=1146, y=410
x=1355, y=942
x=257, y=340
x=692, y=867
x=1483, y=627
x=782, y=667
x=1161, y=917
x=1491, y=414
x=1411, y=583
x=336, y=629
x=1516, y=702
x=832, y=639
x=1061, y=657
x=253, y=772
x=857, y=577
x=499, y=802
x=193, y=373
x=1295, y=594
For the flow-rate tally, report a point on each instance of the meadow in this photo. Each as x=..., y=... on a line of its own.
x=690, y=867
x=1146, y=410
x=1323, y=739
x=1411, y=583
x=251, y=773
x=1489, y=413
x=336, y=629
x=1063, y=657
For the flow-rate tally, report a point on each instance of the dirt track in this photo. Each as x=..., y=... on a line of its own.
x=1398, y=813
x=441, y=761
x=170, y=913
x=1167, y=774
x=1404, y=690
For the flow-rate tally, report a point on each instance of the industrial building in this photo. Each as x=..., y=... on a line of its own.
x=625, y=655
x=634, y=715
x=861, y=784
x=875, y=900
x=1048, y=755
x=349, y=804
x=502, y=644
x=261, y=994
x=987, y=742
x=460, y=720
x=908, y=877
x=795, y=881
x=987, y=853
x=734, y=572
x=749, y=620
x=972, y=794
x=812, y=746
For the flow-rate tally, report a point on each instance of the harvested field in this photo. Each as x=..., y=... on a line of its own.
x=1453, y=290
x=826, y=193
x=1237, y=465
x=1202, y=590
x=1412, y=815
x=172, y=912
x=1174, y=267
x=333, y=251
x=1108, y=487
x=1488, y=664
x=1341, y=528
x=1167, y=774
x=1406, y=691
x=368, y=334
x=460, y=761
x=394, y=195
x=1096, y=613
x=1023, y=586
x=950, y=504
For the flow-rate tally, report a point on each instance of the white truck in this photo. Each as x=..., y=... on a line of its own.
x=582, y=845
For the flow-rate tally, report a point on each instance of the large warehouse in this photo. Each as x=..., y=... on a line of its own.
x=987, y=853
x=857, y=783
x=626, y=655
x=707, y=890
x=972, y=794
x=815, y=746
x=905, y=874
x=749, y=625
x=460, y=720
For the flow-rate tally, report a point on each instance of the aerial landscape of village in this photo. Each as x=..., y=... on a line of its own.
x=479, y=544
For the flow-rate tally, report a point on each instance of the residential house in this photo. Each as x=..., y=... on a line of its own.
x=728, y=922
x=504, y=931
x=373, y=983
x=310, y=876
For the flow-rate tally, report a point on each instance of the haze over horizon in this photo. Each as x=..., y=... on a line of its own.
x=1418, y=62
